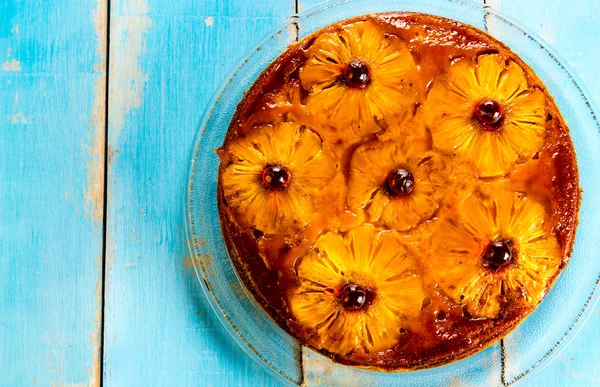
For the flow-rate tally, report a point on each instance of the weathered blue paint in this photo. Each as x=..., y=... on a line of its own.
x=167, y=58
x=51, y=167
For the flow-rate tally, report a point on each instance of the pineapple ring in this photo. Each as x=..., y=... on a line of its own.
x=357, y=76
x=460, y=260
x=373, y=169
x=514, y=132
x=286, y=151
x=364, y=259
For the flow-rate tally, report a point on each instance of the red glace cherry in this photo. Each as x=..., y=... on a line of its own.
x=275, y=177
x=400, y=182
x=497, y=254
x=356, y=75
x=490, y=114
x=353, y=297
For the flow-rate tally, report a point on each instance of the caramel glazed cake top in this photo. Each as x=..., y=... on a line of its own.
x=398, y=191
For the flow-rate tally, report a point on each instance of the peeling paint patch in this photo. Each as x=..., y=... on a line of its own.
x=96, y=336
x=292, y=31
x=111, y=258
x=199, y=241
x=94, y=195
x=17, y=118
x=207, y=263
x=128, y=45
x=456, y=381
x=209, y=21
x=136, y=6
x=11, y=65
x=187, y=263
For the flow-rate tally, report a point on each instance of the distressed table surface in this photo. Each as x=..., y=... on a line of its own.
x=96, y=286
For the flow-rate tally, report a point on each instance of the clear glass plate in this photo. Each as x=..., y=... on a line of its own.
x=520, y=354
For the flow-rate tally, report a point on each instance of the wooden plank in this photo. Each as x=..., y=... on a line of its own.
x=166, y=60
x=571, y=29
x=52, y=99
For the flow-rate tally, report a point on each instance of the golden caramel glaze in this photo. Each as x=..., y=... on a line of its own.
x=275, y=265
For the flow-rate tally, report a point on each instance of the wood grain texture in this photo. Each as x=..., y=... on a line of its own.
x=166, y=60
x=52, y=100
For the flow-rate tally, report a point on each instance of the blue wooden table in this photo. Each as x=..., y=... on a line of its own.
x=99, y=103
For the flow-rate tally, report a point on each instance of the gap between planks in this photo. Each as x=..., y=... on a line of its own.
x=105, y=195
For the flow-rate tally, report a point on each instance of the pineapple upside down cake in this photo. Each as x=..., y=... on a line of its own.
x=398, y=191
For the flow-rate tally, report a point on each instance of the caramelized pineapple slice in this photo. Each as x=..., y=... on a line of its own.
x=358, y=75
x=399, y=183
x=275, y=176
x=486, y=112
x=354, y=289
x=497, y=245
